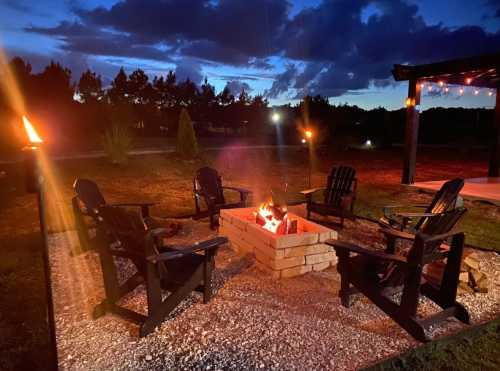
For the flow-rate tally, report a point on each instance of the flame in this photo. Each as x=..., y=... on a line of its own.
x=270, y=222
x=30, y=130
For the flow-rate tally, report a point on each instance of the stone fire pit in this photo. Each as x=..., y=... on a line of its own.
x=284, y=255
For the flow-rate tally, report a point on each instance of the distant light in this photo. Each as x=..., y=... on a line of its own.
x=468, y=80
x=461, y=91
x=409, y=102
x=309, y=134
x=441, y=83
x=446, y=90
x=490, y=93
x=429, y=88
x=304, y=141
x=275, y=117
x=476, y=92
x=422, y=85
x=368, y=143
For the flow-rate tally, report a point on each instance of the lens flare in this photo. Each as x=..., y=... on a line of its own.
x=30, y=130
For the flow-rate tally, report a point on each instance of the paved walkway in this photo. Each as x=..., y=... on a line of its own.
x=487, y=189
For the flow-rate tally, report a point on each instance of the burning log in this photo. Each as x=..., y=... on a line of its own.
x=275, y=219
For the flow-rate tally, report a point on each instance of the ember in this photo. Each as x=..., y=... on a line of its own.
x=275, y=219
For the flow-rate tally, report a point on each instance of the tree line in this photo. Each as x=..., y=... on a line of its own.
x=77, y=113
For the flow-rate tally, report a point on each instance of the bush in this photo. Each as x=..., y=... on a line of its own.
x=187, y=146
x=117, y=143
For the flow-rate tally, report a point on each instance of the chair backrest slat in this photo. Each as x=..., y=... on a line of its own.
x=89, y=194
x=208, y=181
x=444, y=199
x=339, y=183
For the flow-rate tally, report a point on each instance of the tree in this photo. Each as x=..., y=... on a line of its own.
x=137, y=87
x=119, y=89
x=187, y=145
x=56, y=80
x=225, y=98
x=90, y=87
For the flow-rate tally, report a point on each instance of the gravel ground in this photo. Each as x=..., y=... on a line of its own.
x=252, y=321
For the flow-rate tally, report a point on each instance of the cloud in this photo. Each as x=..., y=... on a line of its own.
x=188, y=69
x=236, y=86
x=333, y=48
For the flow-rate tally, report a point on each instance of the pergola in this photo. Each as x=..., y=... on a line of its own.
x=480, y=71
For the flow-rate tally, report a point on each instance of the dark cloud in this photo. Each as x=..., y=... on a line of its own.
x=328, y=49
x=236, y=86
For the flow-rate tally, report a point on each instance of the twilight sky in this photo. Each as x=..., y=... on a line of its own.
x=343, y=49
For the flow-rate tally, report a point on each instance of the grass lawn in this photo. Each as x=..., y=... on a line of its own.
x=168, y=181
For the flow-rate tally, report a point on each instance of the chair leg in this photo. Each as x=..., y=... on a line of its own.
x=345, y=291
x=207, y=277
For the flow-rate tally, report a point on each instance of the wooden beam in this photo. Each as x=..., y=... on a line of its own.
x=494, y=163
x=455, y=66
x=411, y=133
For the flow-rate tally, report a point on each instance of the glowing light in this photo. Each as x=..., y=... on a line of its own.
x=476, y=92
x=468, y=80
x=309, y=134
x=368, y=143
x=441, y=83
x=409, y=102
x=30, y=130
x=490, y=93
x=429, y=88
x=461, y=91
x=422, y=85
x=446, y=90
x=304, y=141
x=275, y=117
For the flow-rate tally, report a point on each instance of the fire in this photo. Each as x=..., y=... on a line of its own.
x=275, y=219
x=30, y=130
x=271, y=223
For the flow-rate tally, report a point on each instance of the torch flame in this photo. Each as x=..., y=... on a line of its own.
x=30, y=130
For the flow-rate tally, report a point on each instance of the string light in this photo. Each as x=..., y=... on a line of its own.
x=476, y=92
x=441, y=83
x=490, y=93
x=461, y=91
x=468, y=80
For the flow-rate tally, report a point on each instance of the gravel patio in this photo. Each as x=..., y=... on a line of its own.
x=252, y=322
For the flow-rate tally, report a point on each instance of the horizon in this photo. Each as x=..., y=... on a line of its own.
x=303, y=47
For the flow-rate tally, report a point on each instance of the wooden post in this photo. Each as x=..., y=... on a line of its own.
x=411, y=132
x=494, y=163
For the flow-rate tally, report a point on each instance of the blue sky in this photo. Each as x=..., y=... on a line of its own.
x=343, y=49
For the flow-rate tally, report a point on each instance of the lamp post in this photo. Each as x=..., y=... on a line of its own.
x=308, y=139
x=34, y=182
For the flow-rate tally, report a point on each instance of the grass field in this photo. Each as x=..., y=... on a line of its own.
x=168, y=181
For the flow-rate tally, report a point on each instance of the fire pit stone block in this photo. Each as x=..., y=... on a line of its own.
x=281, y=256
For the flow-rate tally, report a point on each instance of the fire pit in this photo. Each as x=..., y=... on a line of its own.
x=284, y=244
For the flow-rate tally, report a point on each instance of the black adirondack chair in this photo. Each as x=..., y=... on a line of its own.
x=339, y=195
x=176, y=269
x=208, y=189
x=85, y=204
x=379, y=274
x=444, y=199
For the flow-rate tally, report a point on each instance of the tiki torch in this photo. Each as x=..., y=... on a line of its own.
x=35, y=184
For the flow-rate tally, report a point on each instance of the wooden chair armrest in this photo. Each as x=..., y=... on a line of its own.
x=307, y=192
x=407, y=206
x=361, y=250
x=397, y=234
x=242, y=191
x=413, y=215
x=183, y=251
x=132, y=204
x=443, y=236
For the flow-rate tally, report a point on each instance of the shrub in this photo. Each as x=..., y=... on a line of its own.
x=117, y=143
x=187, y=146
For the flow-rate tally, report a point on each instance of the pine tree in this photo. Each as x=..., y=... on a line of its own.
x=187, y=145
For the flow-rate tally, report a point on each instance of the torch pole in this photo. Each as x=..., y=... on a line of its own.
x=35, y=184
